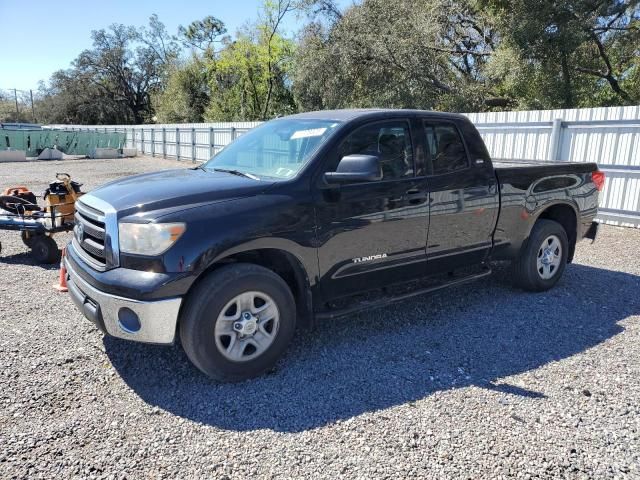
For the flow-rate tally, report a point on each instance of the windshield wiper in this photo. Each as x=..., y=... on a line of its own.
x=236, y=172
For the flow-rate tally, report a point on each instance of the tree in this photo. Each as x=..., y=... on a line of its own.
x=278, y=51
x=573, y=50
x=8, y=112
x=457, y=55
x=250, y=76
x=203, y=34
x=250, y=79
x=187, y=93
x=397, y=53
x=127, y=65
x=320, y=10
x=114, y=80
x=71, y=97
x=161, y=44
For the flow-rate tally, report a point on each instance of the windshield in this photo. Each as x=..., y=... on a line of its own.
x=276, y=149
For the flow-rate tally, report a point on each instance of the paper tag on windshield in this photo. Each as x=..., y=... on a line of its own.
x=312, y=132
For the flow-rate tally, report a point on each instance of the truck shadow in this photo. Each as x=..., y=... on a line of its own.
x=473, y=335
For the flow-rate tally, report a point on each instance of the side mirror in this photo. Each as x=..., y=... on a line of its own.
x=356, y=168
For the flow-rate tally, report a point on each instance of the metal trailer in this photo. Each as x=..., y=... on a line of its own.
x=38, y=225
x=37, y=233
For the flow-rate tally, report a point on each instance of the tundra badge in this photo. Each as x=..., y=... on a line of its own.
x=369, y=258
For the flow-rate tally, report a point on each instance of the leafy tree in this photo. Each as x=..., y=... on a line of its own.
x=203, y=34
x=186, y=95
x=397, y=53
x=250, y=75
x=8, y=112
x=114, y=80
x=319, y=10
x=458, y=55
x=568, y=52
x=187, y=91
x=471, y=54
x=127, y=65
x=249, y=81
x=162, y=45
x=72, y=97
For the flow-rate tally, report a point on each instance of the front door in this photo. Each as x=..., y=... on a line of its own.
x=373, y=234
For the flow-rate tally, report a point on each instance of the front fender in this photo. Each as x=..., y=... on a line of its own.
x=218, y=231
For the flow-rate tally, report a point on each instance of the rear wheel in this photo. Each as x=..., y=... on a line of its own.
x=45, y=250
x=237, y=322
x=544, y=258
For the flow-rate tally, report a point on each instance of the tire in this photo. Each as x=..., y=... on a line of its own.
x=45, y=250
x=212, y=341
x=541, y=263
x=28, y=238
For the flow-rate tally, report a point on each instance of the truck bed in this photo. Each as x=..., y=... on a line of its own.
x=541, y=168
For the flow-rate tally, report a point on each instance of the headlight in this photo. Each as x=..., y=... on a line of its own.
x=149, y=238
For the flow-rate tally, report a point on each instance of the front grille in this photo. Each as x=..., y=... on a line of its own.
x=90, y=234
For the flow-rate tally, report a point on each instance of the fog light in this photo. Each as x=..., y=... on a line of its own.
x=128, y=320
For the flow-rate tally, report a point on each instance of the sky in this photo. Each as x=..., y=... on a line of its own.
x=40, y=37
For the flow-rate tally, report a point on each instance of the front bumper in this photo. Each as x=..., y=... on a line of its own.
x=155, y=321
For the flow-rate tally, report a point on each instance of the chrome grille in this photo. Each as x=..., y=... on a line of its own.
x=94, y=248
x=90, y=235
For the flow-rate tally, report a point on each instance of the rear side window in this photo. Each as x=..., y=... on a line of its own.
x=390, y=141
x=445, y=148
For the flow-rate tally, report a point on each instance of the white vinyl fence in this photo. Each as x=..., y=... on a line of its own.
x=196, y=142
x=608, y=136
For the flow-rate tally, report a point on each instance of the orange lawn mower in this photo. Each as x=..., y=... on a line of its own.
x=19, y=211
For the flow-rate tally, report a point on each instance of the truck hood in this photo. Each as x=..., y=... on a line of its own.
x=169, y=189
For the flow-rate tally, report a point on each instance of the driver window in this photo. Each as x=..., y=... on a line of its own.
x=389, y=141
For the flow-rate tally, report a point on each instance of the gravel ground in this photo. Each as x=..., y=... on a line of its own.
x=477, y=381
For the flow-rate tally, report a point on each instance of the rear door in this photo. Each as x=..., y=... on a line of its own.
x=373, y=234
x=463, y=195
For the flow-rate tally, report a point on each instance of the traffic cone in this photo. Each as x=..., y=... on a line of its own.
x=62, y=282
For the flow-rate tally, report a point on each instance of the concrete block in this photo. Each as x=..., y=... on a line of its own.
x=50, y=154
x=104, y=153
x=129, y=152
x=13, y=155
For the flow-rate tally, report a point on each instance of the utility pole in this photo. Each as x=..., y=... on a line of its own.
x=15, y=95
x=33, y=111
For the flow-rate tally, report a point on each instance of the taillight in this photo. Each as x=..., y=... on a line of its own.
x=598, y=179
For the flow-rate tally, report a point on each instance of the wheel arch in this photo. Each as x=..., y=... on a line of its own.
x=565, y=213
x=283, y=263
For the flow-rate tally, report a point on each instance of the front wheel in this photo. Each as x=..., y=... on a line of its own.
x=544, y=258
x=237, y=322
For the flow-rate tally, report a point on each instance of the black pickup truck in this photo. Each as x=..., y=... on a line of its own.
x=314, y=216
